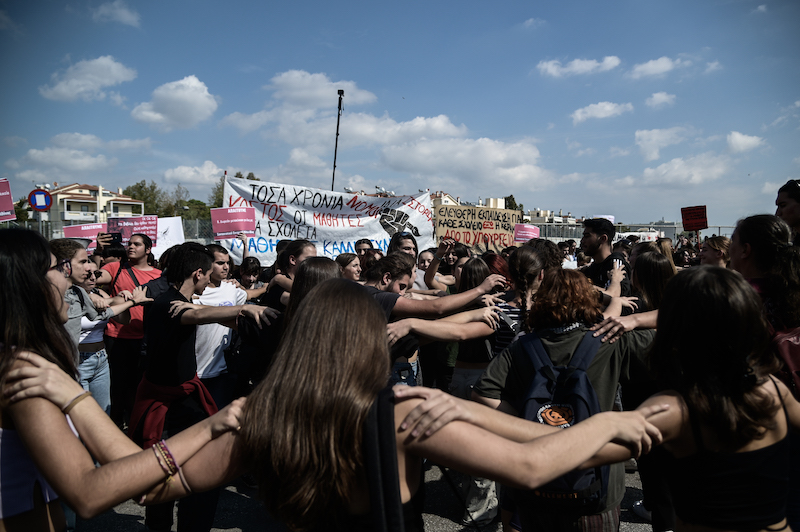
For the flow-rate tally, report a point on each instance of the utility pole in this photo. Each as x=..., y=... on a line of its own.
x=336, y=145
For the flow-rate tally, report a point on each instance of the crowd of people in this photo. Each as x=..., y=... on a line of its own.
x=328, y=382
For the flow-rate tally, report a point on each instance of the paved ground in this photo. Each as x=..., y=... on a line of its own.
x=239, y=511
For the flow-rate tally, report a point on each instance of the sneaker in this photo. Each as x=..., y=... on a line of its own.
x=642, y=512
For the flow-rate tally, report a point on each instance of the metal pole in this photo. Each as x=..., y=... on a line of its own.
x=336, y=145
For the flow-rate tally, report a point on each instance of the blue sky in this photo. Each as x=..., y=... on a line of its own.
x=631, y=108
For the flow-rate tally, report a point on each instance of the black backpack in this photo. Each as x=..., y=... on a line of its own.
x=561, y=396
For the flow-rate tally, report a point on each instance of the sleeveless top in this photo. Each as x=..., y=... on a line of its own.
x=739, y=491
x=386, y=513
x=18, y=477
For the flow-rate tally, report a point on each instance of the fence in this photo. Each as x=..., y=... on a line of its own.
x=199, y=230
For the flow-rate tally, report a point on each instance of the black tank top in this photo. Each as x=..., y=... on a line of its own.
x=738, y=491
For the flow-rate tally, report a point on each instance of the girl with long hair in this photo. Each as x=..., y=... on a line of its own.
x=350, y=264
x=42, y=458
x=728, y=423
x=280, y=286
x=307, y=427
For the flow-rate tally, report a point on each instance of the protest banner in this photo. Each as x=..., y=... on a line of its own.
x=85, y=231
x=7, y=213
x=524, y=232
x=127, y=226
x=694, y=218
x=170, y=233
x=480, y=228
x=227, y=222
x=331, y=220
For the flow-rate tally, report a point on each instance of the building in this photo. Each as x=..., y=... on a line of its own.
x=88, y=204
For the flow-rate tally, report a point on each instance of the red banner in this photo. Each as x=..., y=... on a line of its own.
x=524, y=232
x=146, y=225
x=694, y=218
x=227, y=222
x=6, y=202
x=85, y=231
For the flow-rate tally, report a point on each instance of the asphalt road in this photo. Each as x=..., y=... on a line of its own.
x=240, y=511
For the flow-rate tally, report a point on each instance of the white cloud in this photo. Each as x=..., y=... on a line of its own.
x=618, y=152
x=6, y=23
x=533, y=23
x=300, y=158
x=761, y=9
x=69, y=159
x=179, y=104
x=690, y=171
x=79, y=141
x=87, y=79
x=600, y=110
x=660, y=99
x=739, y=142
x=657, y=67
x=12, y=163
x=248, y=123
x=302, y=89
x=33, y=175
x=116, y=11
x=577, y=66
x=796, y=160
x=194, y=176
x=713, y=67
x=464, y=160
x=14, y=141
x=771, y=189
x=652, y=140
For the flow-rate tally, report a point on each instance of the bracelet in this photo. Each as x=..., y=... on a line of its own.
x=437, y=257
x=160, y=461
x=184, y=481
x=167, y=456
x=77, y=399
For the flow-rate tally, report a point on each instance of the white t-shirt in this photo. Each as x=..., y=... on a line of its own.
x=213, y=338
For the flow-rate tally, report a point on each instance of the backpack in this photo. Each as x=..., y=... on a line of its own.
x=561, y=396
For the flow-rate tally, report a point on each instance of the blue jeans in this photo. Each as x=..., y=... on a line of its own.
x=96, y=377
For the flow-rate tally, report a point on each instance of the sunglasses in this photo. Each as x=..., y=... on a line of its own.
x=63, y=266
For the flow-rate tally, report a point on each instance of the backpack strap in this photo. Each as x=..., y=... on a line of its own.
x=586, y=351
x=380, y=461
x=78, y=293
x=133, y=277
x=535, y=349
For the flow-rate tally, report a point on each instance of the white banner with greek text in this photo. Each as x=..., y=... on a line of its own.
x=331, y=220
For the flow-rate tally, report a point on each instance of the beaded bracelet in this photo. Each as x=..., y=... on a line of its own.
x=167, y=456
x=78, y=398
x=161, y=462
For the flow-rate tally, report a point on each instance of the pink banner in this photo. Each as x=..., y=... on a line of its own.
x=85, y=231
x=147, y=225
x=6, y=202
x=524, y=232
x=229, y=222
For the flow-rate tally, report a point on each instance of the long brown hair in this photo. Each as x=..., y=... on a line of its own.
x=28, y=317
x=302, y=427
x=717, y=369
x=565, y=297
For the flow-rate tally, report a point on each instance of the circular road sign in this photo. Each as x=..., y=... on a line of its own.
x=40, y=200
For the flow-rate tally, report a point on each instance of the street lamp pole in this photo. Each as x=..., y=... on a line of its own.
x=336, y=145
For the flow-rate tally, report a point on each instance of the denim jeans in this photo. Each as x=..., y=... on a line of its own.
x=96, y=377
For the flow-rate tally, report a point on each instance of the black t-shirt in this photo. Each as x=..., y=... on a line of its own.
x=170, y=344
x=597, y=272
x=406, y=346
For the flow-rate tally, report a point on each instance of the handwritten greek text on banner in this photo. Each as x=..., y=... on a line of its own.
x=331, y=220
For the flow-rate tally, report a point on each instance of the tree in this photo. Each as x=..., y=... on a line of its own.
x=252, y=177
x=197, y=209
x=511, y=204
x=239, y=175
x=152, y=196
x=20, y=210
x=217, y=194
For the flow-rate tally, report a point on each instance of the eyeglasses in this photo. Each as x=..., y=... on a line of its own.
x=64, y=266
x=97, y=274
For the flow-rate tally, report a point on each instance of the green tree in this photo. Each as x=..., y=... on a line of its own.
x=512, y=204
x=217, y=194
x=239, y=175
x=20, y=210
x=152, y=196
x=252, y=177
x=197, y=209
x=174, y=202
